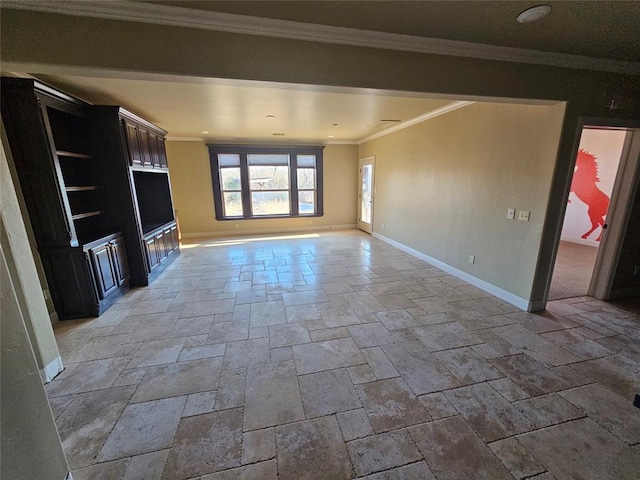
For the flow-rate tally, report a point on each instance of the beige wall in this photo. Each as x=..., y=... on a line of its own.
x=30, y=445
x=190, y=172
x=443, y=188
x=30, y=296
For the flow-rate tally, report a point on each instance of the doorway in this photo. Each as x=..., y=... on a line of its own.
x=597, y=194
x=366, y=194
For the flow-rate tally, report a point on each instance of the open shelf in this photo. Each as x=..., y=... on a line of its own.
x=86, y=188
x=62, y=153
x=80, y=216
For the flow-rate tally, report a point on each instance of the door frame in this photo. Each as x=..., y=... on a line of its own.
x=606, y=260
x=624, y=190
x=366, y=161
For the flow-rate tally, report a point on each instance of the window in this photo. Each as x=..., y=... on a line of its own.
x=266, y=182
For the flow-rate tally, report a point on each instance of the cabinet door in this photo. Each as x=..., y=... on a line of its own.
x=152, y=254
x=162, y=153
x=104, y=269
x=174, y=238
x=145, y=146
x=153, y=145
x=160, y=246
x=120, y=259
x=133, y=142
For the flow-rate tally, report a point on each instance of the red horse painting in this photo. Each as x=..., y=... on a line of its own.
x=584, y=185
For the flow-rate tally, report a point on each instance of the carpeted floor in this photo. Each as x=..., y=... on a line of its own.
x=573, y=270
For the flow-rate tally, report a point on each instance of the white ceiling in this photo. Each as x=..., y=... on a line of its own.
x=237, y=110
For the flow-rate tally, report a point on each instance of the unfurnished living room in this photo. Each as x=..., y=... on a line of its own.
x=292, y=240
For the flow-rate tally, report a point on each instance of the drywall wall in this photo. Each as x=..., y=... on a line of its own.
x=443, y=188
x=190, y=172
x=31, y=42
x=30, y=295
x=590, y=194
x=30, y=444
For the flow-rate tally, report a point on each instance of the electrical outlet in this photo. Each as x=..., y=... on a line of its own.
x=511, y=213
x=472, y=259
x=524, y=215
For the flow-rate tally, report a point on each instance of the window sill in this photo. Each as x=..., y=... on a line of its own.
x=268, y=217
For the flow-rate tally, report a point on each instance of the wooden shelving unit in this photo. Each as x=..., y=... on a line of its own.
x=62, y=153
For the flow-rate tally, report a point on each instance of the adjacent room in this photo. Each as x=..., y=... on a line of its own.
x=308, y=240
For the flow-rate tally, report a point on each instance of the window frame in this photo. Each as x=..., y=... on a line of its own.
x=245, y=188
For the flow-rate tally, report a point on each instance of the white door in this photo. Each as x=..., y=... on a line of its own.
x=365, y=197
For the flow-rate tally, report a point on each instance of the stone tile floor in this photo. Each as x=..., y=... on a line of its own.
x=336, y=356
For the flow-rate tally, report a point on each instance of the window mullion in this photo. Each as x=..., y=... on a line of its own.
x=293, y=184
x=244, y=185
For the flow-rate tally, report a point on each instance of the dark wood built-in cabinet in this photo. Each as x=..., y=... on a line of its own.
x=96, y=185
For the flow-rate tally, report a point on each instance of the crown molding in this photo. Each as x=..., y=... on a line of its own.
x=420, y=118
x=249, y=25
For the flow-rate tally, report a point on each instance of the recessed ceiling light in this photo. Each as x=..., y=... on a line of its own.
x=331, y=136
x=335, y=124
x=533, y=14
x=278, y=134
x=271, y=116
x=205, y=131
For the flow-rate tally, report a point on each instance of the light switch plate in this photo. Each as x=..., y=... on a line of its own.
x=511, y=213
x=524, y=215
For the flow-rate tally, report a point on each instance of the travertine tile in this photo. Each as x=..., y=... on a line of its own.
x=187, y=327
x=298, y=444
x=547, y=410
x=611, y=376
x=371, y=335
x=468, y=366
x=229, y=331
x=361, y=374
x=267, y=313
x=180, y=378
x=143, y=427
x=288, y=334
x=87, y=421
x=329, y=355
x=328, y=334
x=302, y=313
x=246, y=353
x=380, y=364
x=199, y=403
x=206, y=308
x=609, y=410
x=600, y=454
x=419, y=368
x=89, y=376
x=444, y=336
x=533, y=377
x=516, y=458
x=339, y=317
x=203, y=351
x=354, y=424
x=325, y=393
x=437, y=405
x=453, y=451
x=508, y=389
x=487, y=412
x=205, y=444
x=577, y=344
x=146, y=466
x=258, y=471
x=398, y=447
x=157, y=352
x=390, y=404
x=258, y=445
x=414, y=471
x=281, y=354
x=231, y=389
x=535, y=346
x=272, y=396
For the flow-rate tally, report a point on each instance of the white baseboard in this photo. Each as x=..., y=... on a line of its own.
x=69, y=476
x=49, y=372
x=581, y=241
x=509, y=297
x=266, y=231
